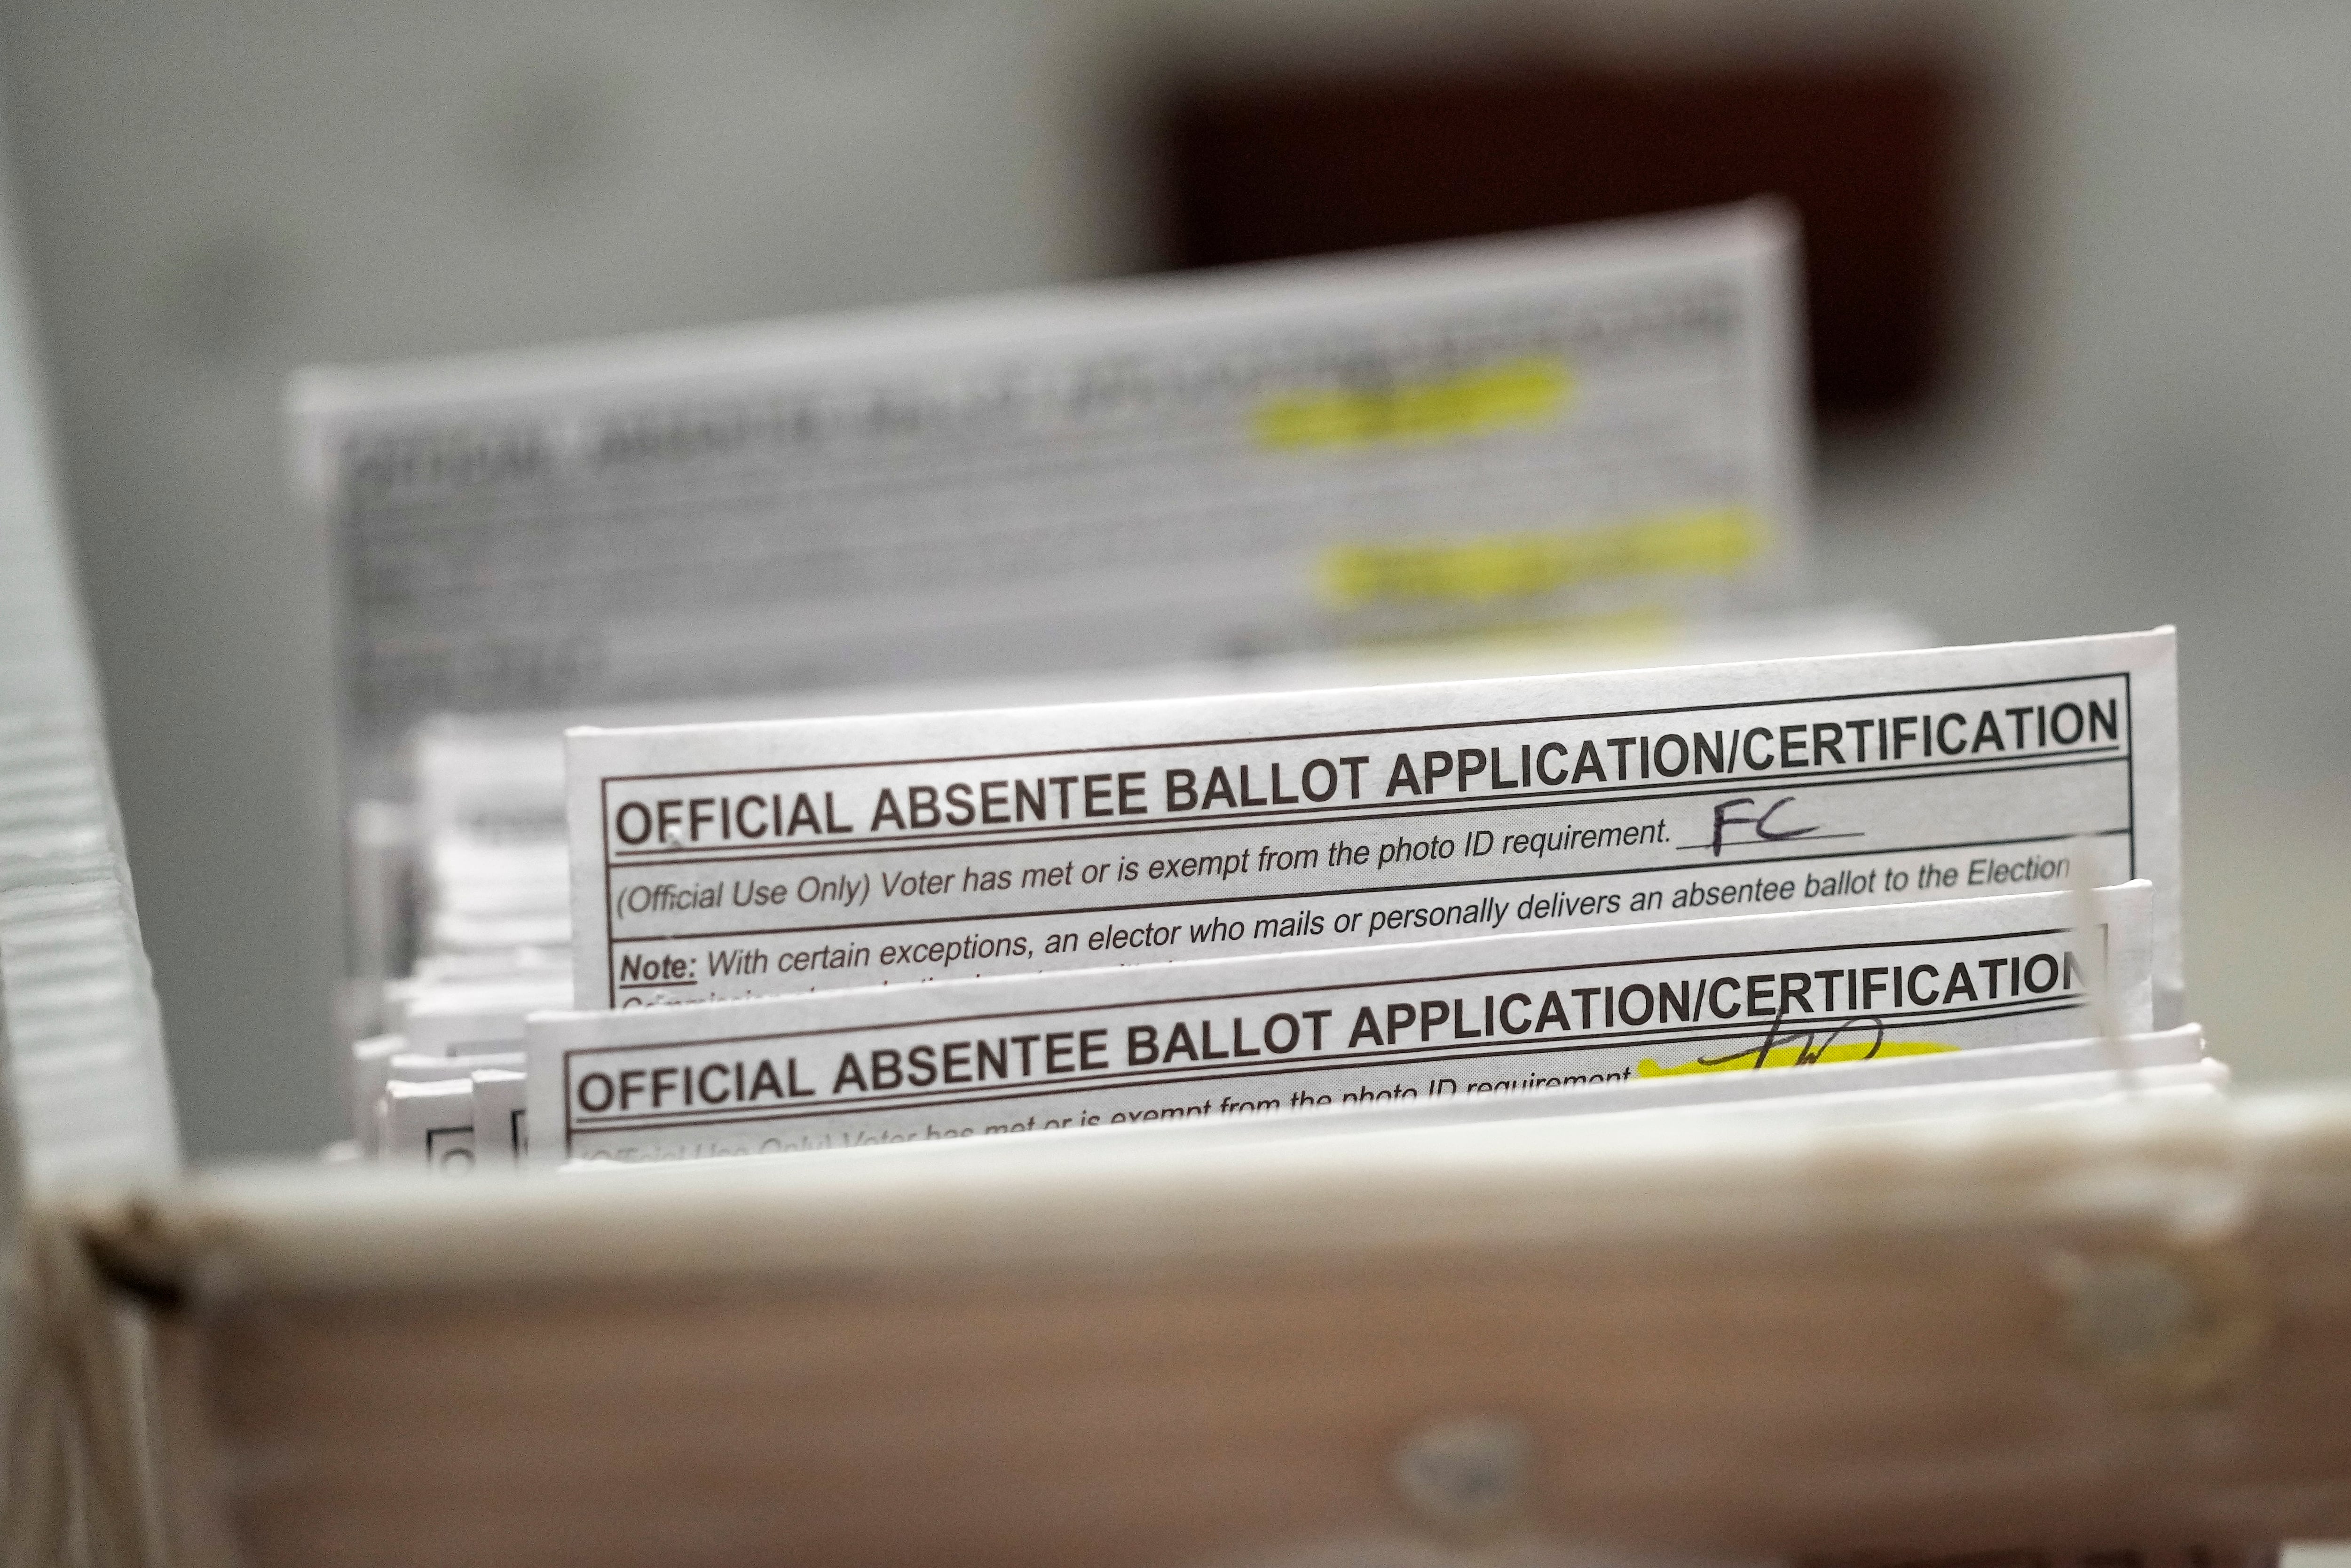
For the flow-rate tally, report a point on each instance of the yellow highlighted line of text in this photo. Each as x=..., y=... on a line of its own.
x=1529, y=391
x=1795, y=1056
x=1701, y=541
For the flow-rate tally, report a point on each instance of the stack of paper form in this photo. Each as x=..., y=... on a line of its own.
x=1359, y=473
x=1645, y=875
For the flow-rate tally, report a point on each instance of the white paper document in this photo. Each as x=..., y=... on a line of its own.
x=428, y=1123
x=2172, y=1064
x=1309, y=1031
x=1588, y=425
x=499, y=1103
x=735, y=861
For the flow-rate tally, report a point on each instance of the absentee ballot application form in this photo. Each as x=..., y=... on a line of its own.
x=1423, y=1021
x=730, y=861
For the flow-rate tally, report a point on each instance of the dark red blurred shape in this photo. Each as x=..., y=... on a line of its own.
x=1303, y=165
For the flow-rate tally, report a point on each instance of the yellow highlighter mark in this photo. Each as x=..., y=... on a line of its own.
x=1694, y=542
x=1529, y=391
x=1795, y=1056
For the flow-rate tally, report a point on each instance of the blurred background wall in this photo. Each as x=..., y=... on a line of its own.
x=2143, y=409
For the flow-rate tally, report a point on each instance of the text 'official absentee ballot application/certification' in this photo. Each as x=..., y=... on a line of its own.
x=1420, y=1023
x=731, y=861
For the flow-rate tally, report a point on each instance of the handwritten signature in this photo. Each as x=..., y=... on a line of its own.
x=1811, y=1045
x=1727, y=817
